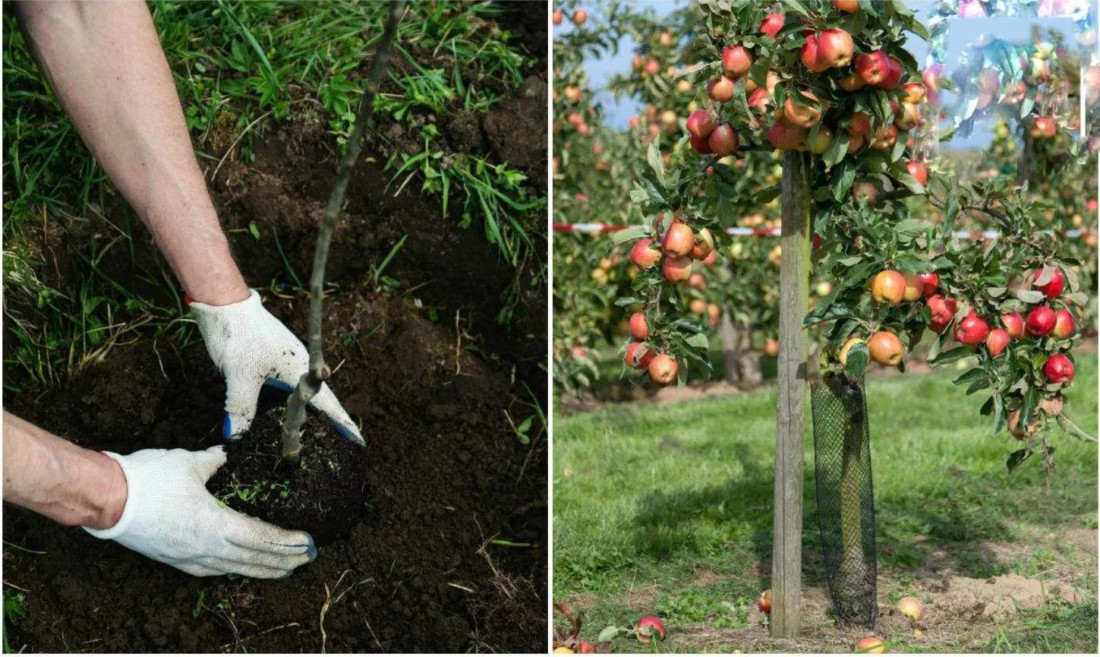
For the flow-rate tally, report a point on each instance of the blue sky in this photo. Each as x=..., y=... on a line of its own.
x=962, y=32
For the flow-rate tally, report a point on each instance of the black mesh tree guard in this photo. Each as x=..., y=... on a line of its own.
x=845, y=499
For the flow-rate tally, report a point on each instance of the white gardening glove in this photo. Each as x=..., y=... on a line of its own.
x=250, y=348
x=170, y=517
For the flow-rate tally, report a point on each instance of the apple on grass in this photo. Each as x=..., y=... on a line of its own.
x=649, y=628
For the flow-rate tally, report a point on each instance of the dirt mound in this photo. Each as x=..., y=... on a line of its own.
x=999, y=597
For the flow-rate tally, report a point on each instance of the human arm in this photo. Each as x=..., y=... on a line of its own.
x=153, y=501
x=105, y=64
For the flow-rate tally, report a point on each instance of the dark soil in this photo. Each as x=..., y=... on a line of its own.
x=324, y=494
x=434, y=379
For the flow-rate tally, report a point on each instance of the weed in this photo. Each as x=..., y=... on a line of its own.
x=14, y=609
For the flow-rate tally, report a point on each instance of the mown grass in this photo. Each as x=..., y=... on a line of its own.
x=667, y=508
x=240, y=68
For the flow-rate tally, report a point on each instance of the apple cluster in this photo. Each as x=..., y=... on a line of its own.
x=676, y=250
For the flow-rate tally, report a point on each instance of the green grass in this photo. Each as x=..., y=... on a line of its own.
x=240, y=68
x=648, y=497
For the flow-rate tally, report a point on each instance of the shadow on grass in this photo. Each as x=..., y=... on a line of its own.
x=951, y=524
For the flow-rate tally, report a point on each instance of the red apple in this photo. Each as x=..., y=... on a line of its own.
x=771, y=24
x=810, y=55
x=1054, y=287
x=736, y=61
x=580, y=16
x=1064, y=326
x=870, y=645
x=997, y=341
x=804, y=112
x=1046, y=126
x=1014, y=324
x=759, y=99
x=872, y=67
x=697, y=281
x=765, y=601
x=943, y=311
x=865, y=189
x=888, y=287
x=721, y=89
x=972, y=330
x=885, y=348
x=852, y=82
x=702, y=122
x=859, y=124
x=848, y=6
x=915, y=93
x=930, y=281
x=678, y=240
x=639, y=327
x=1041, y=321
x=723, y=140
x=700, y=145
x=787, y=138
x=644, y=255
x=676, y=269
x=914, y=288
x=917, y=170
x=893, y=75
x=650, y=626
x=638, y=355
x=1058, y=369
x=909, y=117
x=835, y=47
x=662, y=371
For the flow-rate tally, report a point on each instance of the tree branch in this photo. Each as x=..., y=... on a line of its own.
x=319, y=371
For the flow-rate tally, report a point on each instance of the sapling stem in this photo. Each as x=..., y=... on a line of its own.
x=319, y=371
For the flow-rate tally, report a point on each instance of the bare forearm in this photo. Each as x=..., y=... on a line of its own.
x=105, y=64
x=51, y=476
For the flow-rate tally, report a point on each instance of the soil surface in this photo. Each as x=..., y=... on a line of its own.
x=407, y=562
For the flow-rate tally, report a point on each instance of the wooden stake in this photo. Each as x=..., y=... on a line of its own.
x=794, y=284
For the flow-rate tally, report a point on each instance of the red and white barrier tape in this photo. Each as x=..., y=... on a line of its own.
x=775, y=232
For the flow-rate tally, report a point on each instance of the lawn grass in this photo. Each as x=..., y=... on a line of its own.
x=667, y=508
x=241, y=69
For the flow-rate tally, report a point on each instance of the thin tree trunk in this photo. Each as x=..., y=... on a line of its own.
x=319, y=371
x=751, y=376
x=731, y=353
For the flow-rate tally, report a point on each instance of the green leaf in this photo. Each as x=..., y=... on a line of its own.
x=1029, y=296
x=656, y=162
x=958, y=353
x=699, y=341
x=607, y=634
x=858, y=357
x=837, y=149
x=844, y=174
x=797, y=7
x=629, y=234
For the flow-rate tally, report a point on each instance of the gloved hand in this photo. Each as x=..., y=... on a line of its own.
x=170, y=517
x=252, y=348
